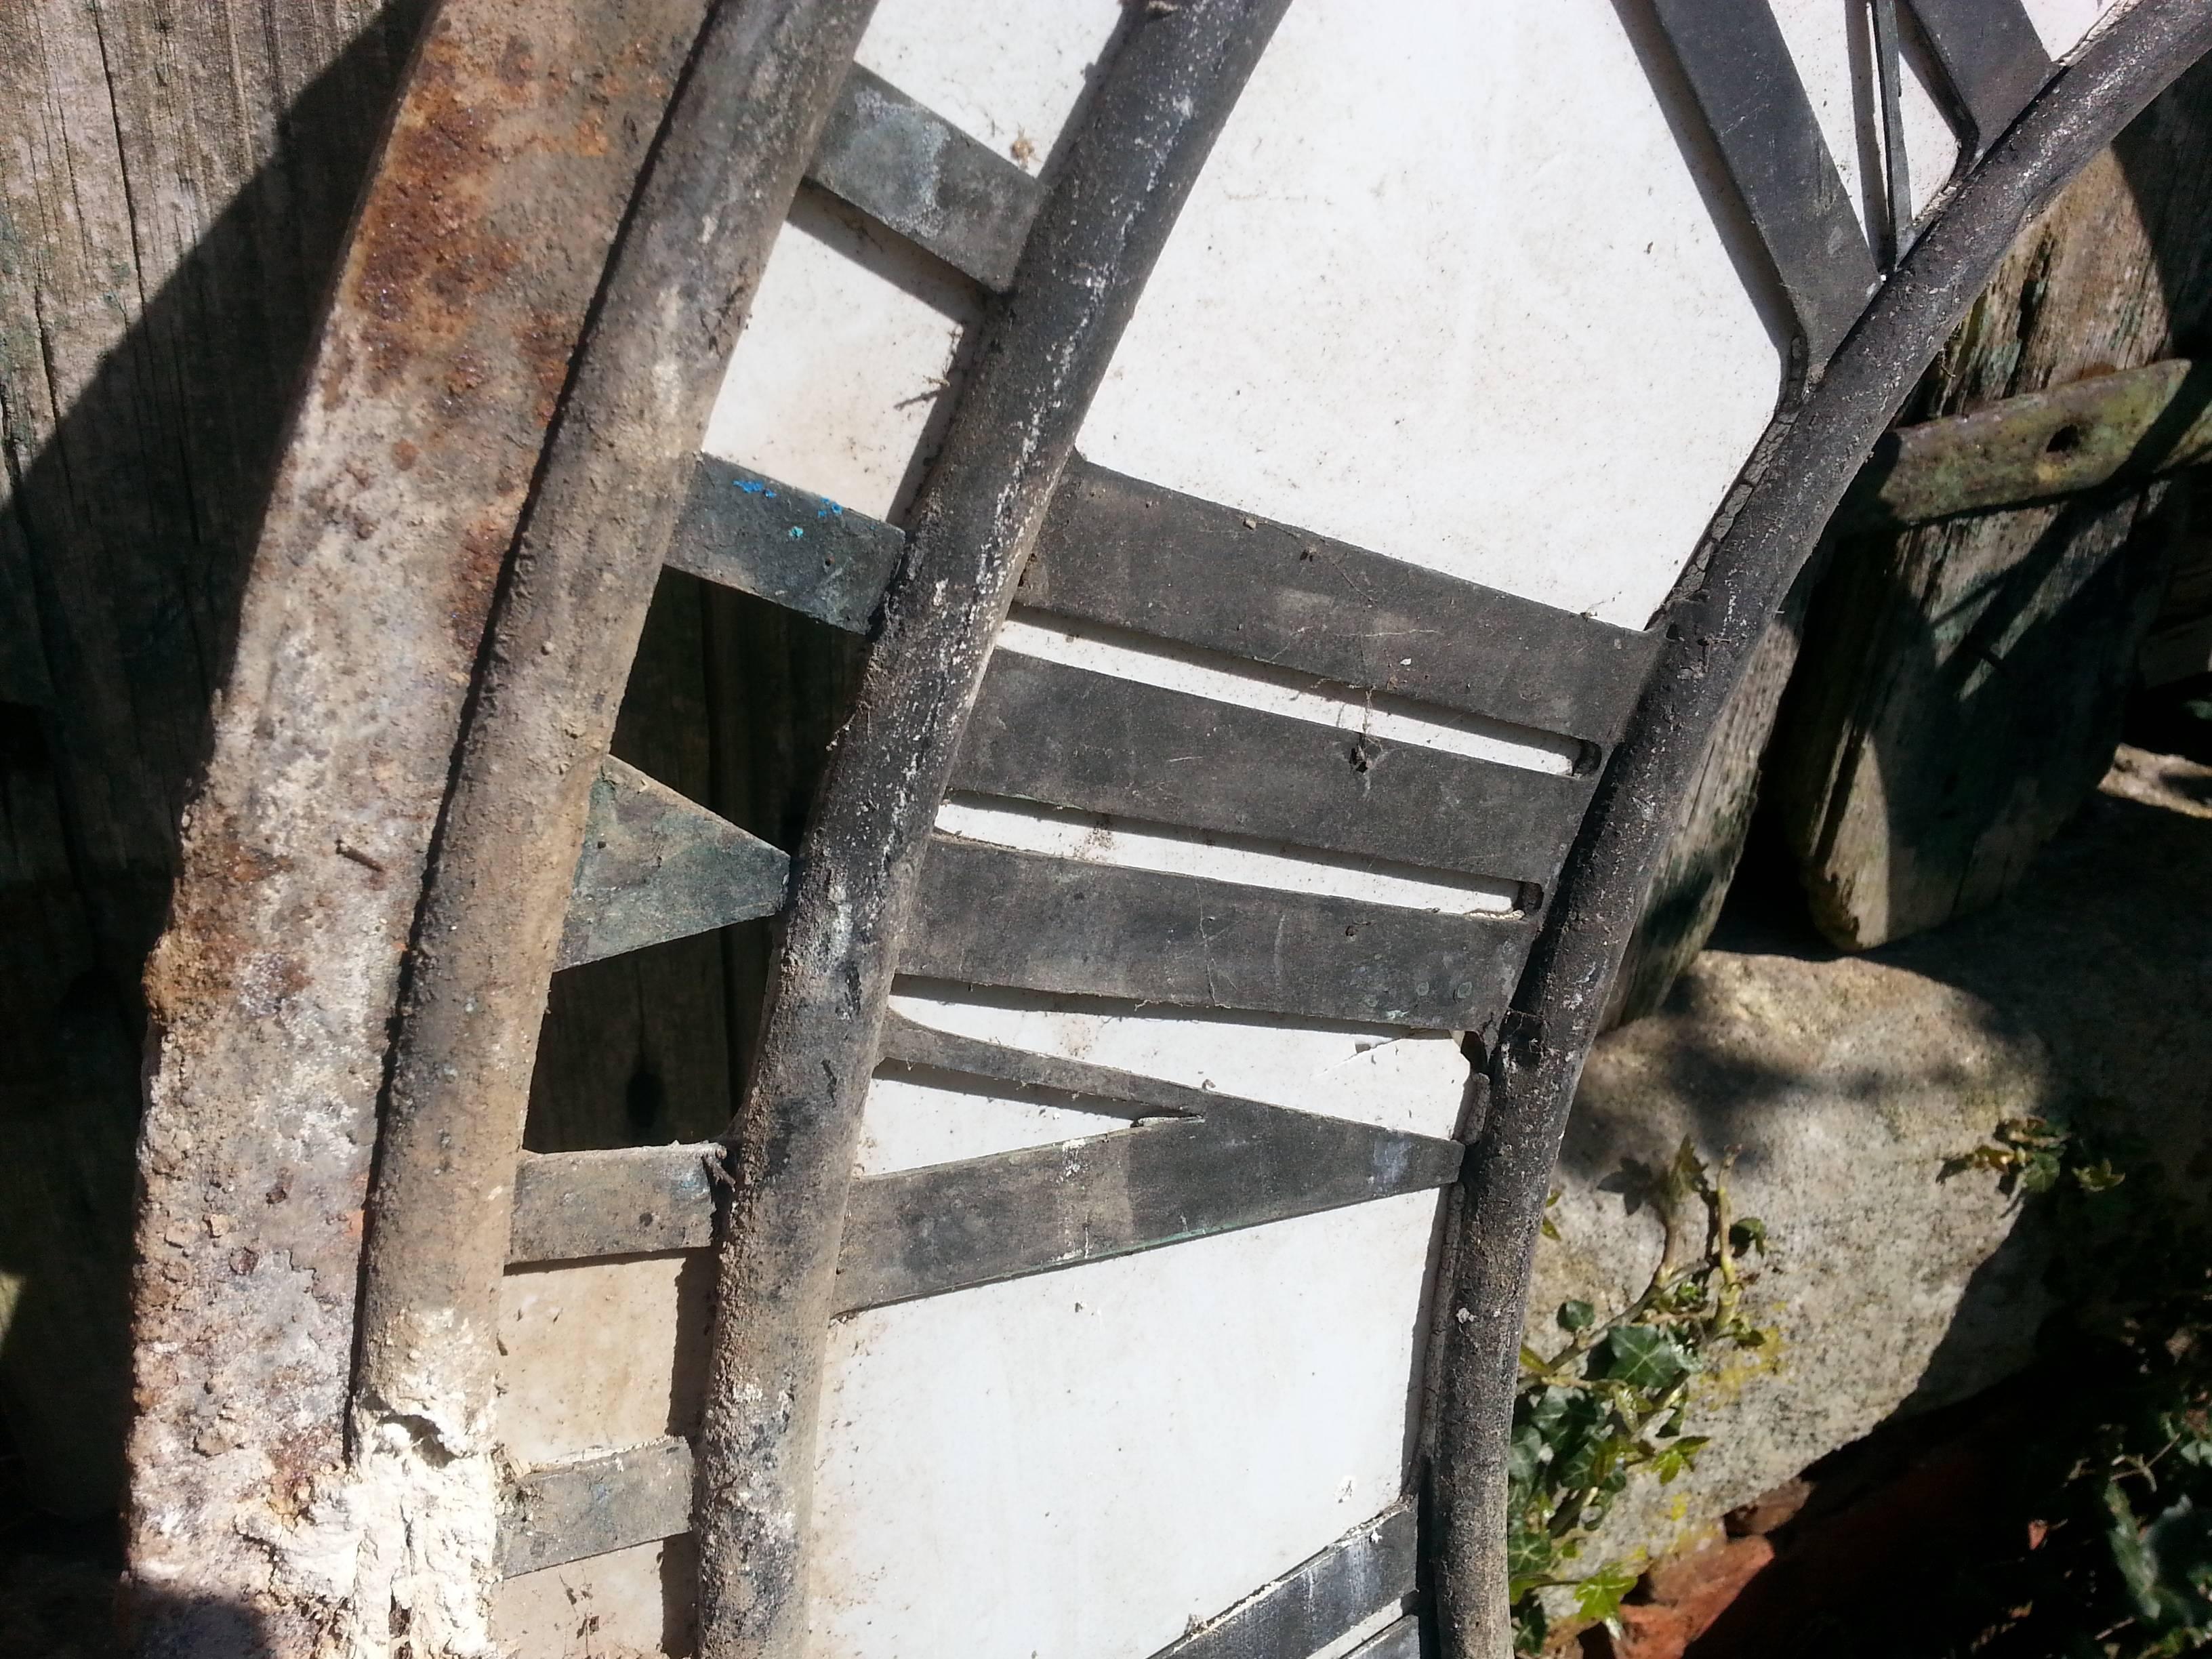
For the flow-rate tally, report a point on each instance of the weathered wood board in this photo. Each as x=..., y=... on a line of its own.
x=176, y=189
x=1959, y=692
x=2097, y=286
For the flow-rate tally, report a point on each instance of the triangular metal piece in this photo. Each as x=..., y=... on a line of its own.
x=657, y=866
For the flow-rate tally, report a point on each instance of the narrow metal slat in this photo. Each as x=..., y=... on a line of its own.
x=1238, y=1163
x=1216, y=1164
x=657, y=866
x=909, y=169
x=1400, y=1640
x=988, y=916
x=595, y=1506
x=1366, y=1570
x=634, y=1201
x=804, y=551
x=1990, y=54
x=1117, y=550
x=1741, y=72
x=1067, y=737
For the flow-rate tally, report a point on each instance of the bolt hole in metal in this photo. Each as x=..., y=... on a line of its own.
x=2063, y=441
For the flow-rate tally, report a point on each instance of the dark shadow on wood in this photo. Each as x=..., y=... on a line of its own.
x=123, y=548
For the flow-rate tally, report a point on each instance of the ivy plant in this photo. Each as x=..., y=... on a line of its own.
x=1609, y=1399
x=2114, y=1489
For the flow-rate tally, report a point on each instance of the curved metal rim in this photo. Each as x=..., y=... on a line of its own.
x=749, y=111
x=1764, y=538
x=1166, y=97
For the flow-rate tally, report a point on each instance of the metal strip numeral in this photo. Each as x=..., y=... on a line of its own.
x=1741, y=72
x=656, y=866
x=1353, y=1579
x=1067, y=737
x=805, y=552
x=1221, y=1163
x=634, y=1201
x=1990, y=54
x=594, y=1505
x=1133, y=555
x=1401, y=1640
x=909, y=169
x=1214, y=1164
x=988, y=916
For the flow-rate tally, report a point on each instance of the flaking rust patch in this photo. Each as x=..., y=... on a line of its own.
x=271, y=992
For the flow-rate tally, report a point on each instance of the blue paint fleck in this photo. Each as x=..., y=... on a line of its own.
x=796, y=532
x=752, y=486
x=828, y=507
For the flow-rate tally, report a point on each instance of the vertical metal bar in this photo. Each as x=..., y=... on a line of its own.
x=1166, y=98
x=565, y=626
x=1740, y=70
x=1990, y=55
x=1897, y=180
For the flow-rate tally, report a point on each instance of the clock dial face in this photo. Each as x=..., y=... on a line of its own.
x=1470, y=322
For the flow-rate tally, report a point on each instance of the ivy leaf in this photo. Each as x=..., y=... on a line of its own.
x=1747, y=1234
x=1677, y=1456
x=1577, y=1315
x=1598, y=1596
x=1530, y=1624
x=1530, y=1554
x=1524, y=1459
x=2176, y=1545
x=2099, y=1177
x=1641, y=1358
x=1587, y=1461
x=1549, y=1410
x=2132, y=1557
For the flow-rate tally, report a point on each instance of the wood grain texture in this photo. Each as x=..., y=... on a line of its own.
x=150, y=337
x=1959, y=690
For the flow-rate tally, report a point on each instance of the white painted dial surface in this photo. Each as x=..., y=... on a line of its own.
x=1453, y=287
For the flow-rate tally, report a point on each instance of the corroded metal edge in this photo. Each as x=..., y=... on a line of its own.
x=564, y=630
x=1163, y=98
x=513, y=154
